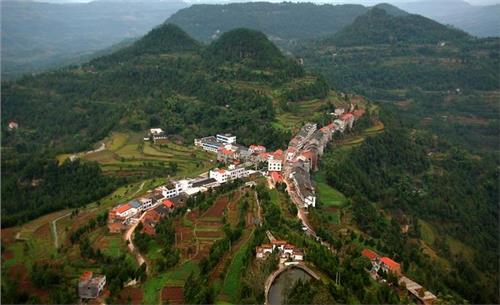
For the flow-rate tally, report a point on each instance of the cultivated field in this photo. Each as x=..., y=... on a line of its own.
x=127, y=154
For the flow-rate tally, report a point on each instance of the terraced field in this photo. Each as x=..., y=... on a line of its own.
x=127, y=154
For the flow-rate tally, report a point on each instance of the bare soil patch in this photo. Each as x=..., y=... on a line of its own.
x=174, y=295
x=130, y=295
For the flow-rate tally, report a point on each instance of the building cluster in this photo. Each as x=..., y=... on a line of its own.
x=305, y=149
x=157, y=204
x=229, y=151
x=288, y=252
x=387, y=265
x=91, y=285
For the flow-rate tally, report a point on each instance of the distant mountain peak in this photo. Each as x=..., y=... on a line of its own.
x=244, y=45
x=378, y=26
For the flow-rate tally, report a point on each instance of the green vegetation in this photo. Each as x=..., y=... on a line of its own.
x=327, y=195
x=379, y=27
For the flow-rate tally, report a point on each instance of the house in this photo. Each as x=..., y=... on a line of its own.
x=339, y=111
x=256, y=149
x=274, y=165
x=263, y=250
x=146, y=202
x=226, y=138
x=358, y=113
x=423, y=296
x=371, y=255
x=279, y=244
x=276, y=177
x=225, y=155
x=172, y=190
x=388, y=265
x=348, y=119
x=297, y=255
x=136, y=204
x=90, y=286
x=225, y=175
x=208, y=143
x=168, y=204
x=302, y=182
x=149, y=222
x=13, y=125
x=288, y=249
x=156, y=131
x=125, y=211
x=162, y=210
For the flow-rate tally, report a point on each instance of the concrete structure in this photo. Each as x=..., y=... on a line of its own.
x=225, y=175
x=303, y=185
x=226, y=138
x=417, y=291
x=274, y=165
x=91, y=286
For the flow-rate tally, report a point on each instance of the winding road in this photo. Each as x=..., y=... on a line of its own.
x=128, y=237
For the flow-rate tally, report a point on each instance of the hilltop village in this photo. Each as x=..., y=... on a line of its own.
x=291, y=167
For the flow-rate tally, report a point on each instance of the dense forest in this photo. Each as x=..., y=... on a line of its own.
x=444, y=81
x=379, y=27
x=282, y=21
x=414, y=176
x=166, y=79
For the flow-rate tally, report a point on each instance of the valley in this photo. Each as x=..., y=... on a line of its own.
x=197, y=163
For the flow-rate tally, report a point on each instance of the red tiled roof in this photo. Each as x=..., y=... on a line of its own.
x=278, y=154
x=226, y=151
x=123, y=208
x=279, y=242
x=369, y=254
x=346, y=116
x=308, y=154
x=389, y=263
x=276, y=177
x=168, y=203
x=87, y=275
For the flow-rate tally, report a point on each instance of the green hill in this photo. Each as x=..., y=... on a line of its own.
x=379, y=27
x=246, y=46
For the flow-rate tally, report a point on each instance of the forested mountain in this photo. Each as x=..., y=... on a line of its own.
x=280, y=21
x=440, y=78
x=37, y=36
x=165, y=79
x=379, y=27
x=477, y=20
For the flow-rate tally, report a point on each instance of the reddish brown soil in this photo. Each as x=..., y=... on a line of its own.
x=135, y=296
x=207, y=223
x=209, y=234
x=43, y=232
x=174, y=295
x=8, y=235
x=217, y=208
x=20, y=275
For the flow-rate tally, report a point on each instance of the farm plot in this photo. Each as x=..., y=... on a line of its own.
x=172, y=295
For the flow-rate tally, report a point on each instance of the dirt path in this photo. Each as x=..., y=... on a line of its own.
x=140, y=188
x=54, y=229
x=128, y=237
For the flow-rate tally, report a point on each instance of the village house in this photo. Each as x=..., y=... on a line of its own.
x=263, y=250
x=276, y=178
x=274, y=165
x=90, y=286
x=418, y=292
x=302, y=182
x=13, y=125
x=208, y=143
x=256, y=149
x=125, y=211
x=225, y=175
x=226, y=138
x=287, y=251
x=388, y=265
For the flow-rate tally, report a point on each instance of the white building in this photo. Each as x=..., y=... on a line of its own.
x=173, y=190
x=274, y=165
x=226, y=138
x=146, y=203
x=126, y=211
x=224, y=175
x=156, y=131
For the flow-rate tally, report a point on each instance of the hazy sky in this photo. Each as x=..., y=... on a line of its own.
x=364, y=2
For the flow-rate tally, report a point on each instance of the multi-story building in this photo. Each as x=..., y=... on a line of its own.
x=226, y=138
x=302, y=182
x=225, y=175
x=91, y=286
x=274, y=165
